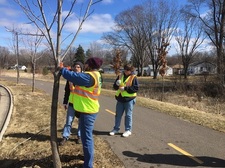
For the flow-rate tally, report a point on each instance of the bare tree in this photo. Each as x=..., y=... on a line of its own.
x=213, y=22
x=70, y=56
x=142, y=28
x=4, y=57
x=163, y=21
x=189, y=39
x=129, y=33
x=33, y=42
x=36, y=12
x=95, y=48
x=15, y=47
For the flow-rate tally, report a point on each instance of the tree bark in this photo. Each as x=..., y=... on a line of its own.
x=54, y=109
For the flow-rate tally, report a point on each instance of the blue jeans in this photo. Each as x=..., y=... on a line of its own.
x=69, y=121
x=87, y=125
x=126, y=107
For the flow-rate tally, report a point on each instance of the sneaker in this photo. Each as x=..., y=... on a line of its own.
x=113, y=132
x=126, y=134
x=61, y=143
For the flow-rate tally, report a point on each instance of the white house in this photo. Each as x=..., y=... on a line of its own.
x=169, y=71
x=178, y=69
x=108, y=69
x=197, y=68
x=148, y=71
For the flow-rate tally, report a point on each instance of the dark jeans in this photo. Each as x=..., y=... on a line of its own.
x=86, y=126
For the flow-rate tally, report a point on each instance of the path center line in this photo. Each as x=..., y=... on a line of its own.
x=185, y=153
x=110, y=111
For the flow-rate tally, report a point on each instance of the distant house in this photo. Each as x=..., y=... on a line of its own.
x=197, y=68
x=169, y=71
x=20, y=67
x=177, y=69
x=148, y=71
x=108, y=69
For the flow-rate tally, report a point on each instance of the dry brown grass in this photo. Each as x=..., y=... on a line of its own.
x=26, y=140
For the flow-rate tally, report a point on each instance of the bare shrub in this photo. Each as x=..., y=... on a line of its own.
x=214, y=90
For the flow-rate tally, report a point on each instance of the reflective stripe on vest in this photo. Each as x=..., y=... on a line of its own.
x=126, y=83
x=91, y=93
x=86, y=98
x=72, y=88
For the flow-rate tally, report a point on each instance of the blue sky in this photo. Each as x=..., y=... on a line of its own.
x=101, y=21
x=98, y=23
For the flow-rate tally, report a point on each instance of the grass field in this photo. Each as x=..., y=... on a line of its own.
x=26, y=141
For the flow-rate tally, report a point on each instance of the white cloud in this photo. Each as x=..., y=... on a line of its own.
x=97, y=23
x=8, y=12
x=204, y=47
x=107, y=1
x=5, y=22
x=3, y=2
x=65, y=13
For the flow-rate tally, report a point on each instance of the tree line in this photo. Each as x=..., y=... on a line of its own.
x=139, y=33
x=143, y=29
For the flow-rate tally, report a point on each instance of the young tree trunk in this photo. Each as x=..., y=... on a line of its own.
x=54, y=109
x=41, y=21
x=155, y=72
x=33, y=74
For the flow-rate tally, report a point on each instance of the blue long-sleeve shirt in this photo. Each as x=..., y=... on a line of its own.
x=78, y=78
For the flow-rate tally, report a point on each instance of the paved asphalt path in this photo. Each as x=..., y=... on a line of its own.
x=157, y=140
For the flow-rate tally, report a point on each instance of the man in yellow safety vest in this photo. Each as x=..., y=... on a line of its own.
x=68, y=105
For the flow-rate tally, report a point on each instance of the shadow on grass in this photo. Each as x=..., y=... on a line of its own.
x=37, y=137
x=40, y=137
x=176, y=160
x=66, y=160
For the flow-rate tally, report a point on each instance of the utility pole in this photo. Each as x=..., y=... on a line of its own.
x=17, y=56
x=16, y=34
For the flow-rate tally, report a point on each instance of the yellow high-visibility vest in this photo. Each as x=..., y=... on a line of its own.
x=85, y=99
x=127, y=82
x=72, y=88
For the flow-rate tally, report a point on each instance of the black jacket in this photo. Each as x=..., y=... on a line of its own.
x=66, y=93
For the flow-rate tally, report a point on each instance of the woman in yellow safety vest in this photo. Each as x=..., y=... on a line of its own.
x=127, y=87
x=88, y=88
